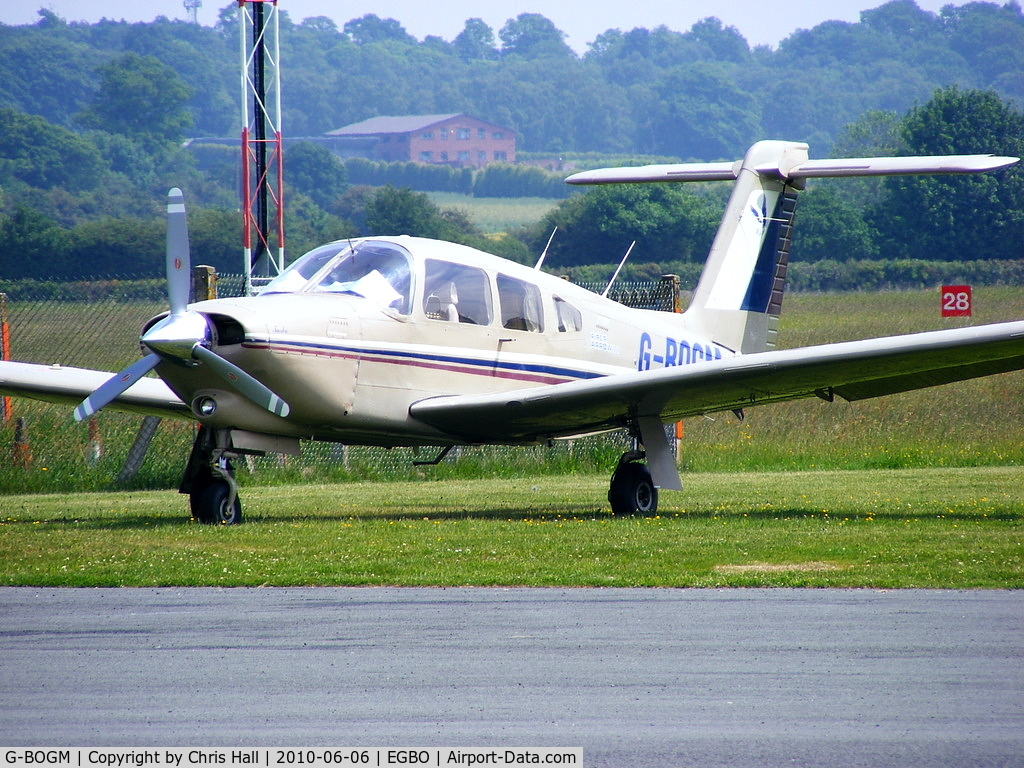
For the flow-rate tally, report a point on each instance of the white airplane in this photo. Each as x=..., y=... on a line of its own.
x=403, y=341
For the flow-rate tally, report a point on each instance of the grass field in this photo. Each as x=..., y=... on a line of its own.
x=496, y=214
x=936, y=528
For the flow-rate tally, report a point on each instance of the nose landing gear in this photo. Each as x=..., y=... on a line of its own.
x=210, y=481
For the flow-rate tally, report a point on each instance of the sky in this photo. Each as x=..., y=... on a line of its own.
x=759, y=21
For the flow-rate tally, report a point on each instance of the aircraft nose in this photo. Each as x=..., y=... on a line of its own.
x=177, y=335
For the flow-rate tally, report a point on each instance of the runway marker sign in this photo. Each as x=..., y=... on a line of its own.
x=956, y=301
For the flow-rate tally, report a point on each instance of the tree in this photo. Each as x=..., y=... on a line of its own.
x=314, y=171
x=142, y=99
x=703, y=113
x=34, y=246
x=46, y=156
x=957, y=218
x=724, y=43
x=402, y=212
x=830, y=228
x=475, y=41
x=532, y=35
x=373, y=29
x=122, y=247
x=668, y=224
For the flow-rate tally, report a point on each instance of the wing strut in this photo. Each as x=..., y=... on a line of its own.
x=660, y=460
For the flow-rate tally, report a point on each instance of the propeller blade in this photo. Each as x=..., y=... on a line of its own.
x=115, y=386
x=242, y=381
x=179, y=266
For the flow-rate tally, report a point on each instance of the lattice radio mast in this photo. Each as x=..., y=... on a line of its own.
x=193, y=6
x=262, y=147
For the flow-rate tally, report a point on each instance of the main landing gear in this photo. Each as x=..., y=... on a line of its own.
x=209, y=479
x=632, y=490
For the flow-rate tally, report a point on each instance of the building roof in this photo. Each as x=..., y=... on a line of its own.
x=388, y=124
x=399, y=124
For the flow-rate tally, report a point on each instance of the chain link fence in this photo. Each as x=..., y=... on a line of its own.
x=96, y=323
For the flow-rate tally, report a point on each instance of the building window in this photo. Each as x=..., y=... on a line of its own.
x=481, y=157
x=444, y=134
x=462, y=134
x=427, y=135
x=481, y=133
x=463, y=156
x=500, y=155
x=425, y=157
x=444, y=157
x=498, y=135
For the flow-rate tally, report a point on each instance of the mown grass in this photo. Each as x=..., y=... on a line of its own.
x=934, y=528
x=492, y=214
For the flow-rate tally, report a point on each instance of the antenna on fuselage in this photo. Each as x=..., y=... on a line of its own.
x=618, y=268
x=544, y=253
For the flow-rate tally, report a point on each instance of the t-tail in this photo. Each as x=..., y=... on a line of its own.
x=738, y=298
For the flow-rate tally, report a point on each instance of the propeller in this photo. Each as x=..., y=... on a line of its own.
x=183, y=336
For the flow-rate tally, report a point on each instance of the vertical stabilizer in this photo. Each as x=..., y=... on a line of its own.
x=738, y=299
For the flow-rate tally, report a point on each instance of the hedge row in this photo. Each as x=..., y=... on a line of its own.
x=492, y=181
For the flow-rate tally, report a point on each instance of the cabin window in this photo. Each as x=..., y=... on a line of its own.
x=521, y=308
x=456, y=293
x=373, y=269
x=569, y=318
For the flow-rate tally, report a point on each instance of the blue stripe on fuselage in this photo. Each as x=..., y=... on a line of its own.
x=485, y=365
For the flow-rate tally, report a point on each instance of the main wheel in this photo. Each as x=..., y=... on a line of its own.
x=633, y=491
x=213, y=508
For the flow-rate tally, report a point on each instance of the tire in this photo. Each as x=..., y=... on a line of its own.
x=213, y=506
x=633, y=491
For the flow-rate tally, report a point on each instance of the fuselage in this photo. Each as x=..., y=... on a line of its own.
x=356, y=331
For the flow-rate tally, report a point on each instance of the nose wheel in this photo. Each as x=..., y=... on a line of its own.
x=219, y=504
x=210, y=480
x=632, y=490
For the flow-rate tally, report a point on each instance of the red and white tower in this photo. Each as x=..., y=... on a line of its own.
x=262, y=144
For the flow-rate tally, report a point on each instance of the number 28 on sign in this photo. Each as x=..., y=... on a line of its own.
x=956, y=301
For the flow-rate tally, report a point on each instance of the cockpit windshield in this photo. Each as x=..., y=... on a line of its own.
x=378, y=271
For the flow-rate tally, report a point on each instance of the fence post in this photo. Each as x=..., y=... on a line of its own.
x=22, y=457
x=204, y=283
x=677, y=306
x=672, y=281
x=5, y=352
x=137, y=453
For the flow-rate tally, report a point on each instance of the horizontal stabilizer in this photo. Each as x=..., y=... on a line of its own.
x=902, y=166
x=809, y=169
x=646, y=173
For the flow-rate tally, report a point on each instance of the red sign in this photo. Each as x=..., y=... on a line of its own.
x=956, y=301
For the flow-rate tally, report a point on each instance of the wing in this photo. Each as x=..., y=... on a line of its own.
x=69, y=386
x=852, y=370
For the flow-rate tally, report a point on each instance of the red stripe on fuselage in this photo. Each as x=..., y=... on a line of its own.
x=485, y=368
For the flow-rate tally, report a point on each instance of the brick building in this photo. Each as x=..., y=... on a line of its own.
x=458, y=140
